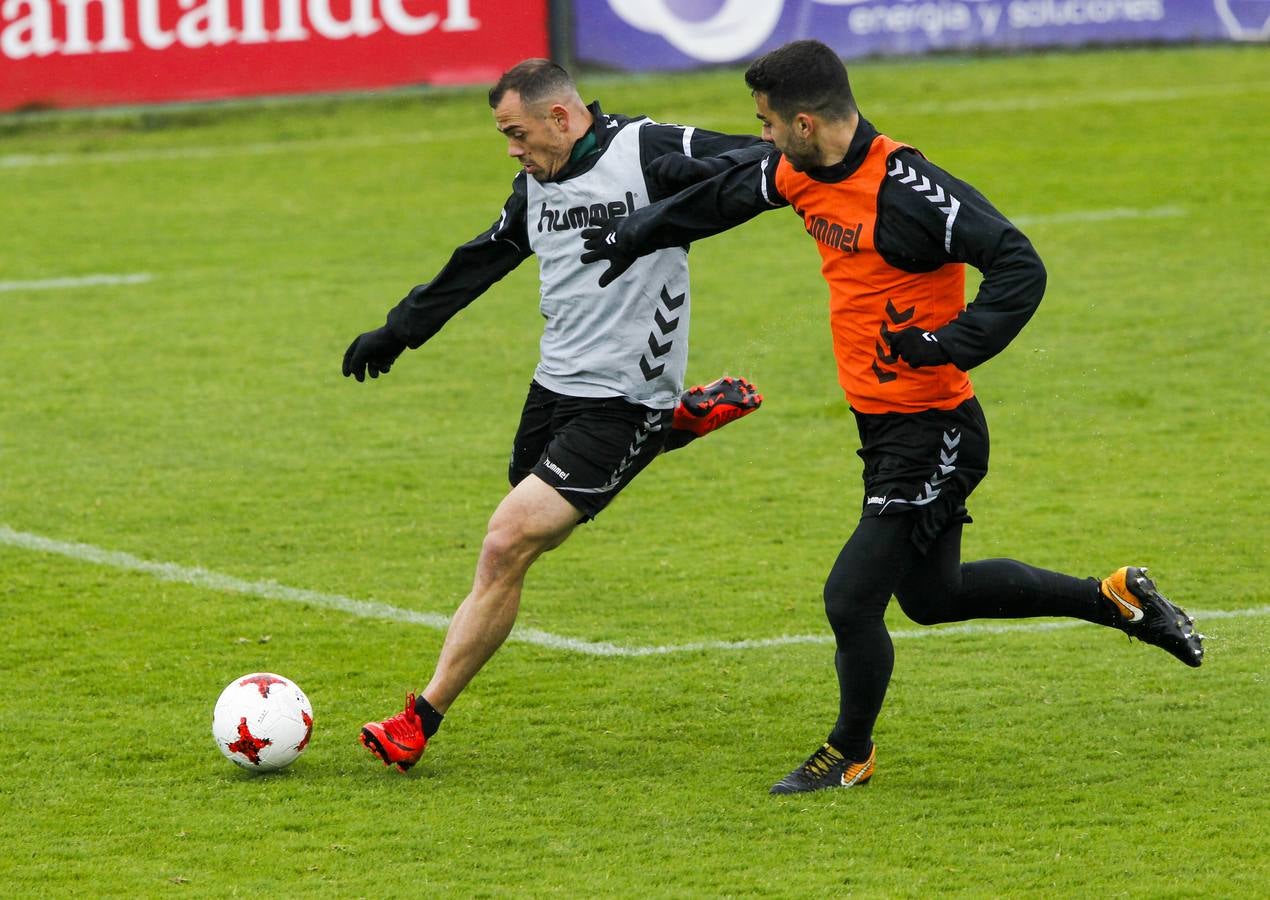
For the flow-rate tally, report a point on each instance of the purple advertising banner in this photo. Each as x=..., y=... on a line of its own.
x=646, y=35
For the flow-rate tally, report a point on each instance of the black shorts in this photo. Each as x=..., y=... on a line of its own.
x=587, y=448
x=923, y=464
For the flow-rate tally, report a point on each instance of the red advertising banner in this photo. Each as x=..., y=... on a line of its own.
x=100, y=52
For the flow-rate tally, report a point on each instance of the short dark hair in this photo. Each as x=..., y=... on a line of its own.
x=803, y=76
x=535, y=80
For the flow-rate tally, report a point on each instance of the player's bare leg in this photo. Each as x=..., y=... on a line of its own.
x=531, y=520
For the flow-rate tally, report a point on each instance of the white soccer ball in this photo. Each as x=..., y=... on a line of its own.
x=262, y=722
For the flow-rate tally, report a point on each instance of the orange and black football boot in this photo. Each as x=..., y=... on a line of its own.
x=827, y=768
x=705, y=408
x=1144, y=613
x=398, y=741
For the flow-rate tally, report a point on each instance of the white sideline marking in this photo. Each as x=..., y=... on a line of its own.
x=260, y=148
x=1061, y=101
x=47, y=284
x=1102, y=215
x=216, y=151
x=198, y=577
x=369, y=609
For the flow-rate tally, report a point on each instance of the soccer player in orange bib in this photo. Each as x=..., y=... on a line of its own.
x=894, y=233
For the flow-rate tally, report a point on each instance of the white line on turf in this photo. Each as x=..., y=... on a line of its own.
x=50, y=284
x=1038, y=101
x=369, y=609
x=218, y=151
x=1101, y=215
x=943, y=107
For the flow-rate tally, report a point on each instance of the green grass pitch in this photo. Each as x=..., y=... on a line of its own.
x=194, y=415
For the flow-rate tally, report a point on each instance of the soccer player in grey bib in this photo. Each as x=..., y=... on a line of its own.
x=606, y=394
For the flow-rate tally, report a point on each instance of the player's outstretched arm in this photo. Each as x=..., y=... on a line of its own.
x=472, y=269
x=709, y=207
x=676, y=156
x=421, y=314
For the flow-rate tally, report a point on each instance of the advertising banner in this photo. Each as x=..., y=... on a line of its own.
x=96, y=52
x=647, y=35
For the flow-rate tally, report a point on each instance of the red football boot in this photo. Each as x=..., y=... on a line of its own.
x=704, y=408
x=399, y=740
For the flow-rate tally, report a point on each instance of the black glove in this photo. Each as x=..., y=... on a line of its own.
x=918, y=348
x=601, y=244
x=373, y=352
x=670, y=173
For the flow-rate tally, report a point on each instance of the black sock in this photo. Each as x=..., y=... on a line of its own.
x=427, y=712
x=855, y=751
x=677, y=438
